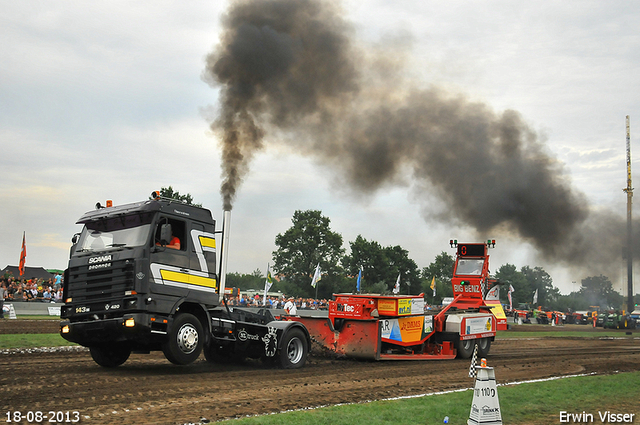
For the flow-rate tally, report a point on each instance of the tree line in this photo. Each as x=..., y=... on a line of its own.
x=310, y=242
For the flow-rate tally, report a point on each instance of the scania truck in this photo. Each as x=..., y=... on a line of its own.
x=142, y=277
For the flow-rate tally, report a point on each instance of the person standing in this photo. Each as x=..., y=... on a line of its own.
x=290, y=307
x=3, y=293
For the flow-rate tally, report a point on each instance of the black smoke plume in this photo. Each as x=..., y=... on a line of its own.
x=291, y=69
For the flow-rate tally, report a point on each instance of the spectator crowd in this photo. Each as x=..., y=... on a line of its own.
x=278, y=302
x=32, y=290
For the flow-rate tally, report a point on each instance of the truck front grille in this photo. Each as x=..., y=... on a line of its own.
x=86, y=285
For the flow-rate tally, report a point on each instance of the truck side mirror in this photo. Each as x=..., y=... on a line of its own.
x=165, y=234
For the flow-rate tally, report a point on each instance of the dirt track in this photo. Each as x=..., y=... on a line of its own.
x=148, y=389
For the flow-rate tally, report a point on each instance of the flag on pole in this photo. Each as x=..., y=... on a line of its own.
x=509, y=295
x=493, y=294
x=474, y=362
x=535, y=297
x=396, y=288
x=316, y=276
x=433, y=286
x=23, y=255
x=267, y=284
x=359, y=279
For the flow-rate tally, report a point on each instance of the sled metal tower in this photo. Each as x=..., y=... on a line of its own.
x=629, y=191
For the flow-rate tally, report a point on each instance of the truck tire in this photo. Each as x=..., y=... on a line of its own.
x=185, y=340
x=110, y=355
x=465, y=348
x=484, y=345
x=293, y=353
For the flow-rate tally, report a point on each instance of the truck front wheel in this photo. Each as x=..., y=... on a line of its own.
x=110, y=355
x=293, y=353
x=185, y=340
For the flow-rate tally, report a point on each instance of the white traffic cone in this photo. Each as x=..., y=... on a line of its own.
x=485, y=407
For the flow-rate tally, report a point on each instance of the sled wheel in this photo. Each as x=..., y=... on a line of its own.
x=484, y=345
x=110, y=355
x=185, y=340
x=293, y=353
x=465, y=348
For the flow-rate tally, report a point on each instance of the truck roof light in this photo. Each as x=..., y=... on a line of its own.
x=109, y=203
x=155, y=195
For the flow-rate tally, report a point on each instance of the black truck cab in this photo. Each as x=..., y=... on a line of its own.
x=142, y=277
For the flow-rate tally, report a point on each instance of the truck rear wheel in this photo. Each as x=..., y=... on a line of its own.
x=465, y=348
x=484, y=345
x=293, y=353
x=185, y=340
x=110, y=355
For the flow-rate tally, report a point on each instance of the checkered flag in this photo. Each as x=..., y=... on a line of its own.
x=474, y=361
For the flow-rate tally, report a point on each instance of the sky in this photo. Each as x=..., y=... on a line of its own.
x=108, y=101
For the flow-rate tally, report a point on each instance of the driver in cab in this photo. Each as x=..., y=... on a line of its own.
x=174, y=241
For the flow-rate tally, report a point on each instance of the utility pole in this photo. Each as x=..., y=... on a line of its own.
x=629, y=191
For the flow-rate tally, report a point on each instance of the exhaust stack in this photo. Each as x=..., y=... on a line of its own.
x=224, y=252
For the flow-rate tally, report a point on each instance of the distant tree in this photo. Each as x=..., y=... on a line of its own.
x=243, y=281
x=381, y=266
x=540, y=280
x=442, y=269
x=308, y=242
x=598, y=291
x=572, y=302
x=400, y=264
x=168, y=192
x=508, y=275
x=367, y=255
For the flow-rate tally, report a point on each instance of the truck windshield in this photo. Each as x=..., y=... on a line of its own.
x=110, y=233
x=470, y=266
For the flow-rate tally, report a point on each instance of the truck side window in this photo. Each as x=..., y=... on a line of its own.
x=178, y=240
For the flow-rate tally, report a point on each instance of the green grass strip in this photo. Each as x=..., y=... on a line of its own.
x=567, y=334
x=35, y=317
x=527, y=403
x=8, y=341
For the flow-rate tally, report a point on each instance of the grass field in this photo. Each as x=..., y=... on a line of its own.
x=527, y=403
x=609, y=333
x=9, y=341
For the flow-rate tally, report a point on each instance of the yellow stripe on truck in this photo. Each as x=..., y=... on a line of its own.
x=202, y=281
x=188, y=278
x=174, y=276
x=207, y=242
